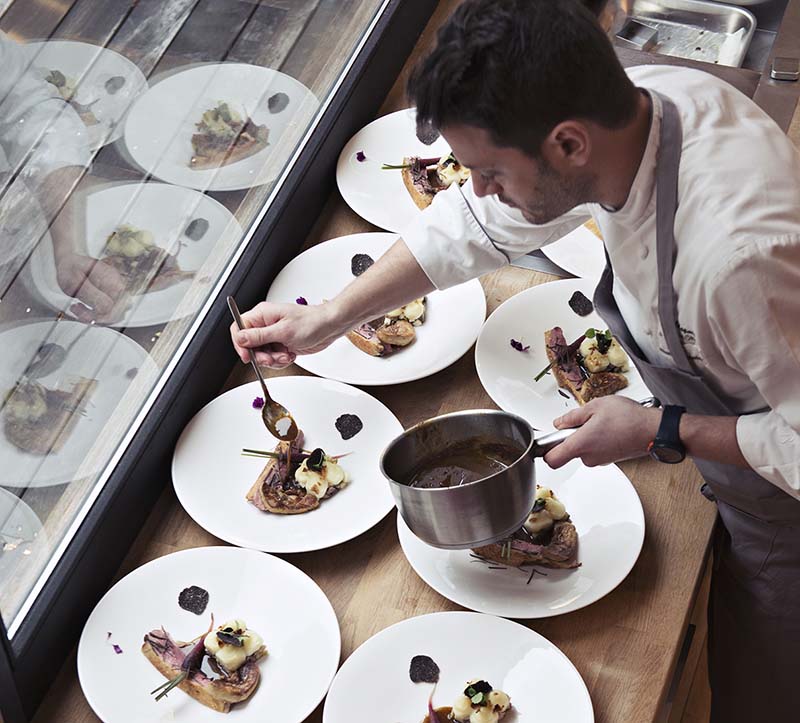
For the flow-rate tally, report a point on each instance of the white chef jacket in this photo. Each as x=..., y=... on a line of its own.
x=737, y=269
x=38, y=130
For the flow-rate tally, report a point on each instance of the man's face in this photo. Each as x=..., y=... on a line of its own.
x=519, y=181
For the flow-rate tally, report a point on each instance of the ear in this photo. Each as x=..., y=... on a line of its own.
x=568, y=145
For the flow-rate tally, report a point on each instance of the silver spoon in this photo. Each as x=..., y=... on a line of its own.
x=272, y=413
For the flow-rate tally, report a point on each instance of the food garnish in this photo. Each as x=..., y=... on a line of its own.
x=278, y=102
x=580, y=304
x=518, y=345
x=193, y=599
x=190, y=663
x=348, y=425
x=423, y=669
x=258, y=403
x=361, y=157
x=117, y=649
x=301, y=300
x=570, y=350
x=360, y=263
x=224, y=136
x=196, y=229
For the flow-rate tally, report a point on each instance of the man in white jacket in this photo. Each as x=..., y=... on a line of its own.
x=697, y=194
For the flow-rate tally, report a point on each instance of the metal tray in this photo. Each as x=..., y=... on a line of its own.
x=699, y=30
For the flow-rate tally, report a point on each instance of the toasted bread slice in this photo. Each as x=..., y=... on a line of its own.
x=366, y=338
x=49, y=432
x=571, y=377
x=207, y=155
x=561, y=552
x=166, y=655
x=421, y=197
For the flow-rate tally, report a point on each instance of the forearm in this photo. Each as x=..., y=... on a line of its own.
x=392, y=281
x=712, y=438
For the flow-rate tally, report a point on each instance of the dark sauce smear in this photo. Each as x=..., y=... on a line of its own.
x=423, y=669
x=580, y=304
x=349, y=425
x=462, y=463
x=194, y=599
x=360, y=263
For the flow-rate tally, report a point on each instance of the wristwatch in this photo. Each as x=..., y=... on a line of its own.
x=667, y=446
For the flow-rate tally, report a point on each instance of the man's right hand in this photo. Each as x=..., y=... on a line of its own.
x=277, y=333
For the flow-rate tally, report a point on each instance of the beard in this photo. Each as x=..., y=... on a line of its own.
x=555, y=195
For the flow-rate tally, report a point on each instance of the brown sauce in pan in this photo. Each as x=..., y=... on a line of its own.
x=462, y=463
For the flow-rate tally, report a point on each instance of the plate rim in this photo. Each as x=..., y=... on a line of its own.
x=234, y=551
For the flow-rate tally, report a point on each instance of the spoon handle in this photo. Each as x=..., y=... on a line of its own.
x=238, y=319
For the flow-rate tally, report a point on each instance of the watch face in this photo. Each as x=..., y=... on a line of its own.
x=669, y=455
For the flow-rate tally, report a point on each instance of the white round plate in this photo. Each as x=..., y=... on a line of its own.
x=453, y=318
x=379, y=196
x=608, y=516
x=580, y=252
x=374, y=684
x=508, y=375
x=275, y=599
x=91, y=67
x=159, y=127
x=163, y=210
x=102, y=354
x=20, y=529
x=211, y=477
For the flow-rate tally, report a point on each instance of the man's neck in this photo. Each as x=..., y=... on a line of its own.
x=620, y=153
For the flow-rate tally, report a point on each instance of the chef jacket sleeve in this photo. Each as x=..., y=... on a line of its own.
x=39, y=132
x=754, y=311
x=461, y=236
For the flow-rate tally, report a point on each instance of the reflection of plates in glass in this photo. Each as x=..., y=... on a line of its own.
x=166, y=211
x=608, y=516
x=20, y=529
x=211, y=476
x=452, y=320
x=508, y=375
x=540, y=680
x=580, y=252
x=159, y=128
x=96, y=73
x=379, y=196
x=275, y=599
x=108, y=357
x=22, y=227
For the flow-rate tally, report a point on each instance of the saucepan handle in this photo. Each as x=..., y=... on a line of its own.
x=545, y=443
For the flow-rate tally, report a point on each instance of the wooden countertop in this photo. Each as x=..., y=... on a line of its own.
x=625, y=646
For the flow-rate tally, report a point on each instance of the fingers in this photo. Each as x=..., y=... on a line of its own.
x=574, y=418
x=565, y=452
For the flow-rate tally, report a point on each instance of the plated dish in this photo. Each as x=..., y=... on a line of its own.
x=232, y=479
x=516, y=346
x=52, y=420
x=222, y=126
x=130, y=652
x=97, y=82
x=156, y=236
x=427, y=666
x=580, y=252
x=390, y=198
x=452, y=318
x=20, y=530
x=609, y=525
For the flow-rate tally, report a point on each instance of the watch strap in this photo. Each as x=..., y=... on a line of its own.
x=669, y=429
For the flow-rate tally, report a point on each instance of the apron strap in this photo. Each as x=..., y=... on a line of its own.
x=669, y=157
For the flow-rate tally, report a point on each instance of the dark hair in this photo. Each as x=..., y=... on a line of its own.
x=518, y=68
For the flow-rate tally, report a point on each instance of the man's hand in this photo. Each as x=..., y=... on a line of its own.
x=277, y=333
x=611, y=429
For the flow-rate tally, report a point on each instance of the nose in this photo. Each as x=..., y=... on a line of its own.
x=485, y=188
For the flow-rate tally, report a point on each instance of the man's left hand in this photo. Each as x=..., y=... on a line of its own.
x=611, y=429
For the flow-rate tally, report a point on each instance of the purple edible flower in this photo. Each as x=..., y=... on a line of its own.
x=301, y=300
x=360, y=157
x=258, y=402
x=117, y=649
x=518, y=345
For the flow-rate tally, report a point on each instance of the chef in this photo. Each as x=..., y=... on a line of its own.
x=697, y=194
x=43, y=157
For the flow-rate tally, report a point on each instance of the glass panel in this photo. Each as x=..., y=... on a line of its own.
x=138, y=142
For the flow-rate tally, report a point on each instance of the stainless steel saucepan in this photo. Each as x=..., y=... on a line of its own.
x=476, y=513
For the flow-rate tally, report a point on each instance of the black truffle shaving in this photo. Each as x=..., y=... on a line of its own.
x=426, y=133
x=114, y=83
x=580, y=304
x=229, y=639
x=349, y=425
x=360, y=263
x=194, y=599
x=278, y=102
x=423, y=670
x=196, y=229
x=480, y=686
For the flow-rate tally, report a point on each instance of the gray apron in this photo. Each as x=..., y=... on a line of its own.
x=754, y=608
